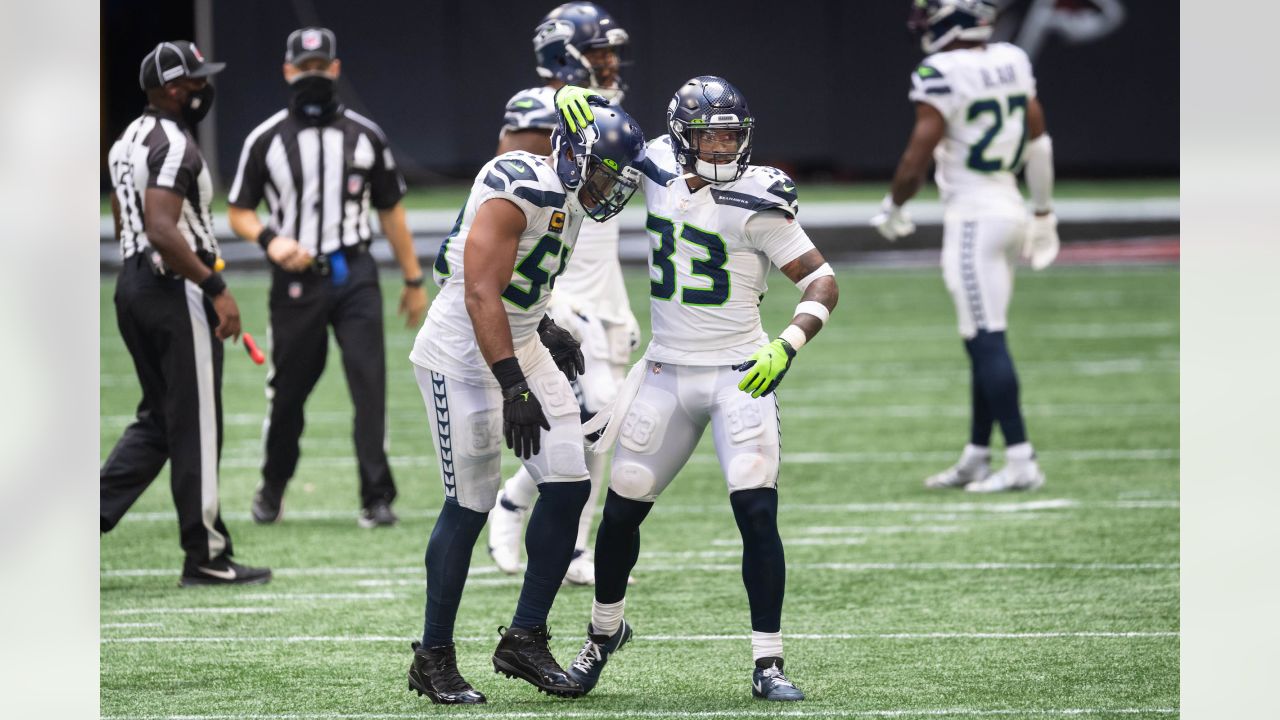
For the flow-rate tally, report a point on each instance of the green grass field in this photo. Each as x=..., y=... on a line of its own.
x=902, y=602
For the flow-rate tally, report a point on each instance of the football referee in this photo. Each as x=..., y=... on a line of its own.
x=174, y=310
x=319, y=165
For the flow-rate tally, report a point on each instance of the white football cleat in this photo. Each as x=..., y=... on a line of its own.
x=582, y=569
x=1014, y=476
x=505, y=529
x=974, y=465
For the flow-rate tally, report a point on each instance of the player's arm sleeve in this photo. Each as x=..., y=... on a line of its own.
x=251, y=175
x=386, y=183
x=778, y=235
x=173, y=164
x=929, y=85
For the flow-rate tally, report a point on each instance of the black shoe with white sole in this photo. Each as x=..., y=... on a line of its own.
x=523, y=654
x=223, y=572
x=265, y=508
x=377, y=515
x=768, y=682
x=434, y=673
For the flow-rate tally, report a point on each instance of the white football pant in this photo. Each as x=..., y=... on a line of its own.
x=979, y=253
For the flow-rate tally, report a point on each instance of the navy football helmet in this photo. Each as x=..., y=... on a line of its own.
x=938, y=23
x=566, y=34
x=706, y=116
x=597, y=164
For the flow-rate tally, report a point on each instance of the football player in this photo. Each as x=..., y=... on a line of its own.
x=492, y=365
x=978, y=119
x=716, y=224
x=578, y=44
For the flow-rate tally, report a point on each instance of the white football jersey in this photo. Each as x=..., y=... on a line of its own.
x=531, y=109
x=707, y=270
x=983, y=93
x=446, y=343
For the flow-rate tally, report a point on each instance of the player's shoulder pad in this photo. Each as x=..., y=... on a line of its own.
x=760, y=188
x=930, y=77
x=659, y=161
x=531, y=108
x=525, y=175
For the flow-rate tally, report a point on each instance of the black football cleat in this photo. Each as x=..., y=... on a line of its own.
x=595, y=653
x=523, y=654
x=434, y=673
x=768, y=682
x=223, y=571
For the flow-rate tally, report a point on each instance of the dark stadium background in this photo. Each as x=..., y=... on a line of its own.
x=826, y=78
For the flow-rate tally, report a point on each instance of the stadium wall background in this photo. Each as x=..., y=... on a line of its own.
x=826, y=78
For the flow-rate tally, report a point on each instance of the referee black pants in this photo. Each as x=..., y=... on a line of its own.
x=167, y=325
x=303, y=307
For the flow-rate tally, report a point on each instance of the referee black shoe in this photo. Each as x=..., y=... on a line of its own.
x=377, y=515
x=223, y=571
x=434, y=673
x=523, y=654
x=266, y=510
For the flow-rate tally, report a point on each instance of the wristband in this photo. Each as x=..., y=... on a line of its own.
x=214, y=285
x=265, y=237
x=415, y=282
x=794, y=337
x=508, y=372
x=814, y=308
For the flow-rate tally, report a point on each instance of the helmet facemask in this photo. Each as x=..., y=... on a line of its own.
x=719, y=150
x=605, y=188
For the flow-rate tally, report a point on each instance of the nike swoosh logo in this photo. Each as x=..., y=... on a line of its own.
x=224, y=574
x=758, y=687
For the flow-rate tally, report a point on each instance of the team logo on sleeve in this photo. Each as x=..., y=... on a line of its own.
x=557, y=221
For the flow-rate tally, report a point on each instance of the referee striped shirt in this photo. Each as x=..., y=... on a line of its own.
x=318, y=181
x=157, y=151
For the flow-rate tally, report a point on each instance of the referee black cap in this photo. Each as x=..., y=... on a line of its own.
x=172, y=60
x=310, y=42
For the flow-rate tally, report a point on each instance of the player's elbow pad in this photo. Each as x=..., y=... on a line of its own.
x=1039, y=172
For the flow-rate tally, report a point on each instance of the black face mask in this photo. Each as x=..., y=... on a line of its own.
x=197, y=105
x=312, y=99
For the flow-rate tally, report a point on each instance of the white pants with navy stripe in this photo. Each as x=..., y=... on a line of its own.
x=466, y=428
x=665, y=421
x=979, y=254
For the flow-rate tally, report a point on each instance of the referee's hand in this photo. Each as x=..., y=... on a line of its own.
x=288, y=254
x=228, y=316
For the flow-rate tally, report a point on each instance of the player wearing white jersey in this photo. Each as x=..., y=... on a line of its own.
x=977, y=115
x=716, y=225
x=578, y=44
x=488, y=357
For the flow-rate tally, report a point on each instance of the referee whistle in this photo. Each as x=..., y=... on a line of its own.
x=219, y=264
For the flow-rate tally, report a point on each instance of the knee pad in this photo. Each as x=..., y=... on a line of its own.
x=565, y=460
x=751, y=471
x=632, y=481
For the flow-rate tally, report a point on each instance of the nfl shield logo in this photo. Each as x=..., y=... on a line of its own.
x=311, y=39
x=355, y=183
x=295, y=290
x=196, y=51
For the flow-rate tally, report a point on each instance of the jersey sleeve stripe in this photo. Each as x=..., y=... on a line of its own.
x=249, y=142
x=173, y=158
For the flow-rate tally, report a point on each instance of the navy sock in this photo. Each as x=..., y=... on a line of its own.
x=999, y=383
x=548, y=542
x=618, y=545
x=981, y=422
x=764, y=566
x=448, y=559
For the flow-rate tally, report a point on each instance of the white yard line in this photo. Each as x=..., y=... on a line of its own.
x=710, y=567
x=106, y=626
x=193, y=611
x=692, y=714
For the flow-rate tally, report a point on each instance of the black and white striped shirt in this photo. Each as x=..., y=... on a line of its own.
x=157, y=151
x=318, y=181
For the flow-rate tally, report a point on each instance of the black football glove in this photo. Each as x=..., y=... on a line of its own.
x=521, y=412
x=566, y=351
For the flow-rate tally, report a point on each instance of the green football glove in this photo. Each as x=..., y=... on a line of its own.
x=767, y=366
x=572, y=102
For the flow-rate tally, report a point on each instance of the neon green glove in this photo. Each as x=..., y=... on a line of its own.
x=573, y=105
x=767, y=367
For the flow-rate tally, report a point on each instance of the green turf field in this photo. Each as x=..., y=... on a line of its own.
x=901, y=602
x=451, y=197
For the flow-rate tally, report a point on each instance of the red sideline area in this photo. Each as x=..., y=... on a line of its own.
x=1148, y=250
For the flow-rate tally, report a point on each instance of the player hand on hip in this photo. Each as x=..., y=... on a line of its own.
x=521, y=419
x=892, y=221
x=565, y=350
x=574, y=105
x=288, y=254
x=1041, y=243
x=766, y=367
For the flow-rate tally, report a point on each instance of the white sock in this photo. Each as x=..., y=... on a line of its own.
x=973, y=452
x=606, y=619
x=1020, y=453
x=520, y=489
x=765, y=644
